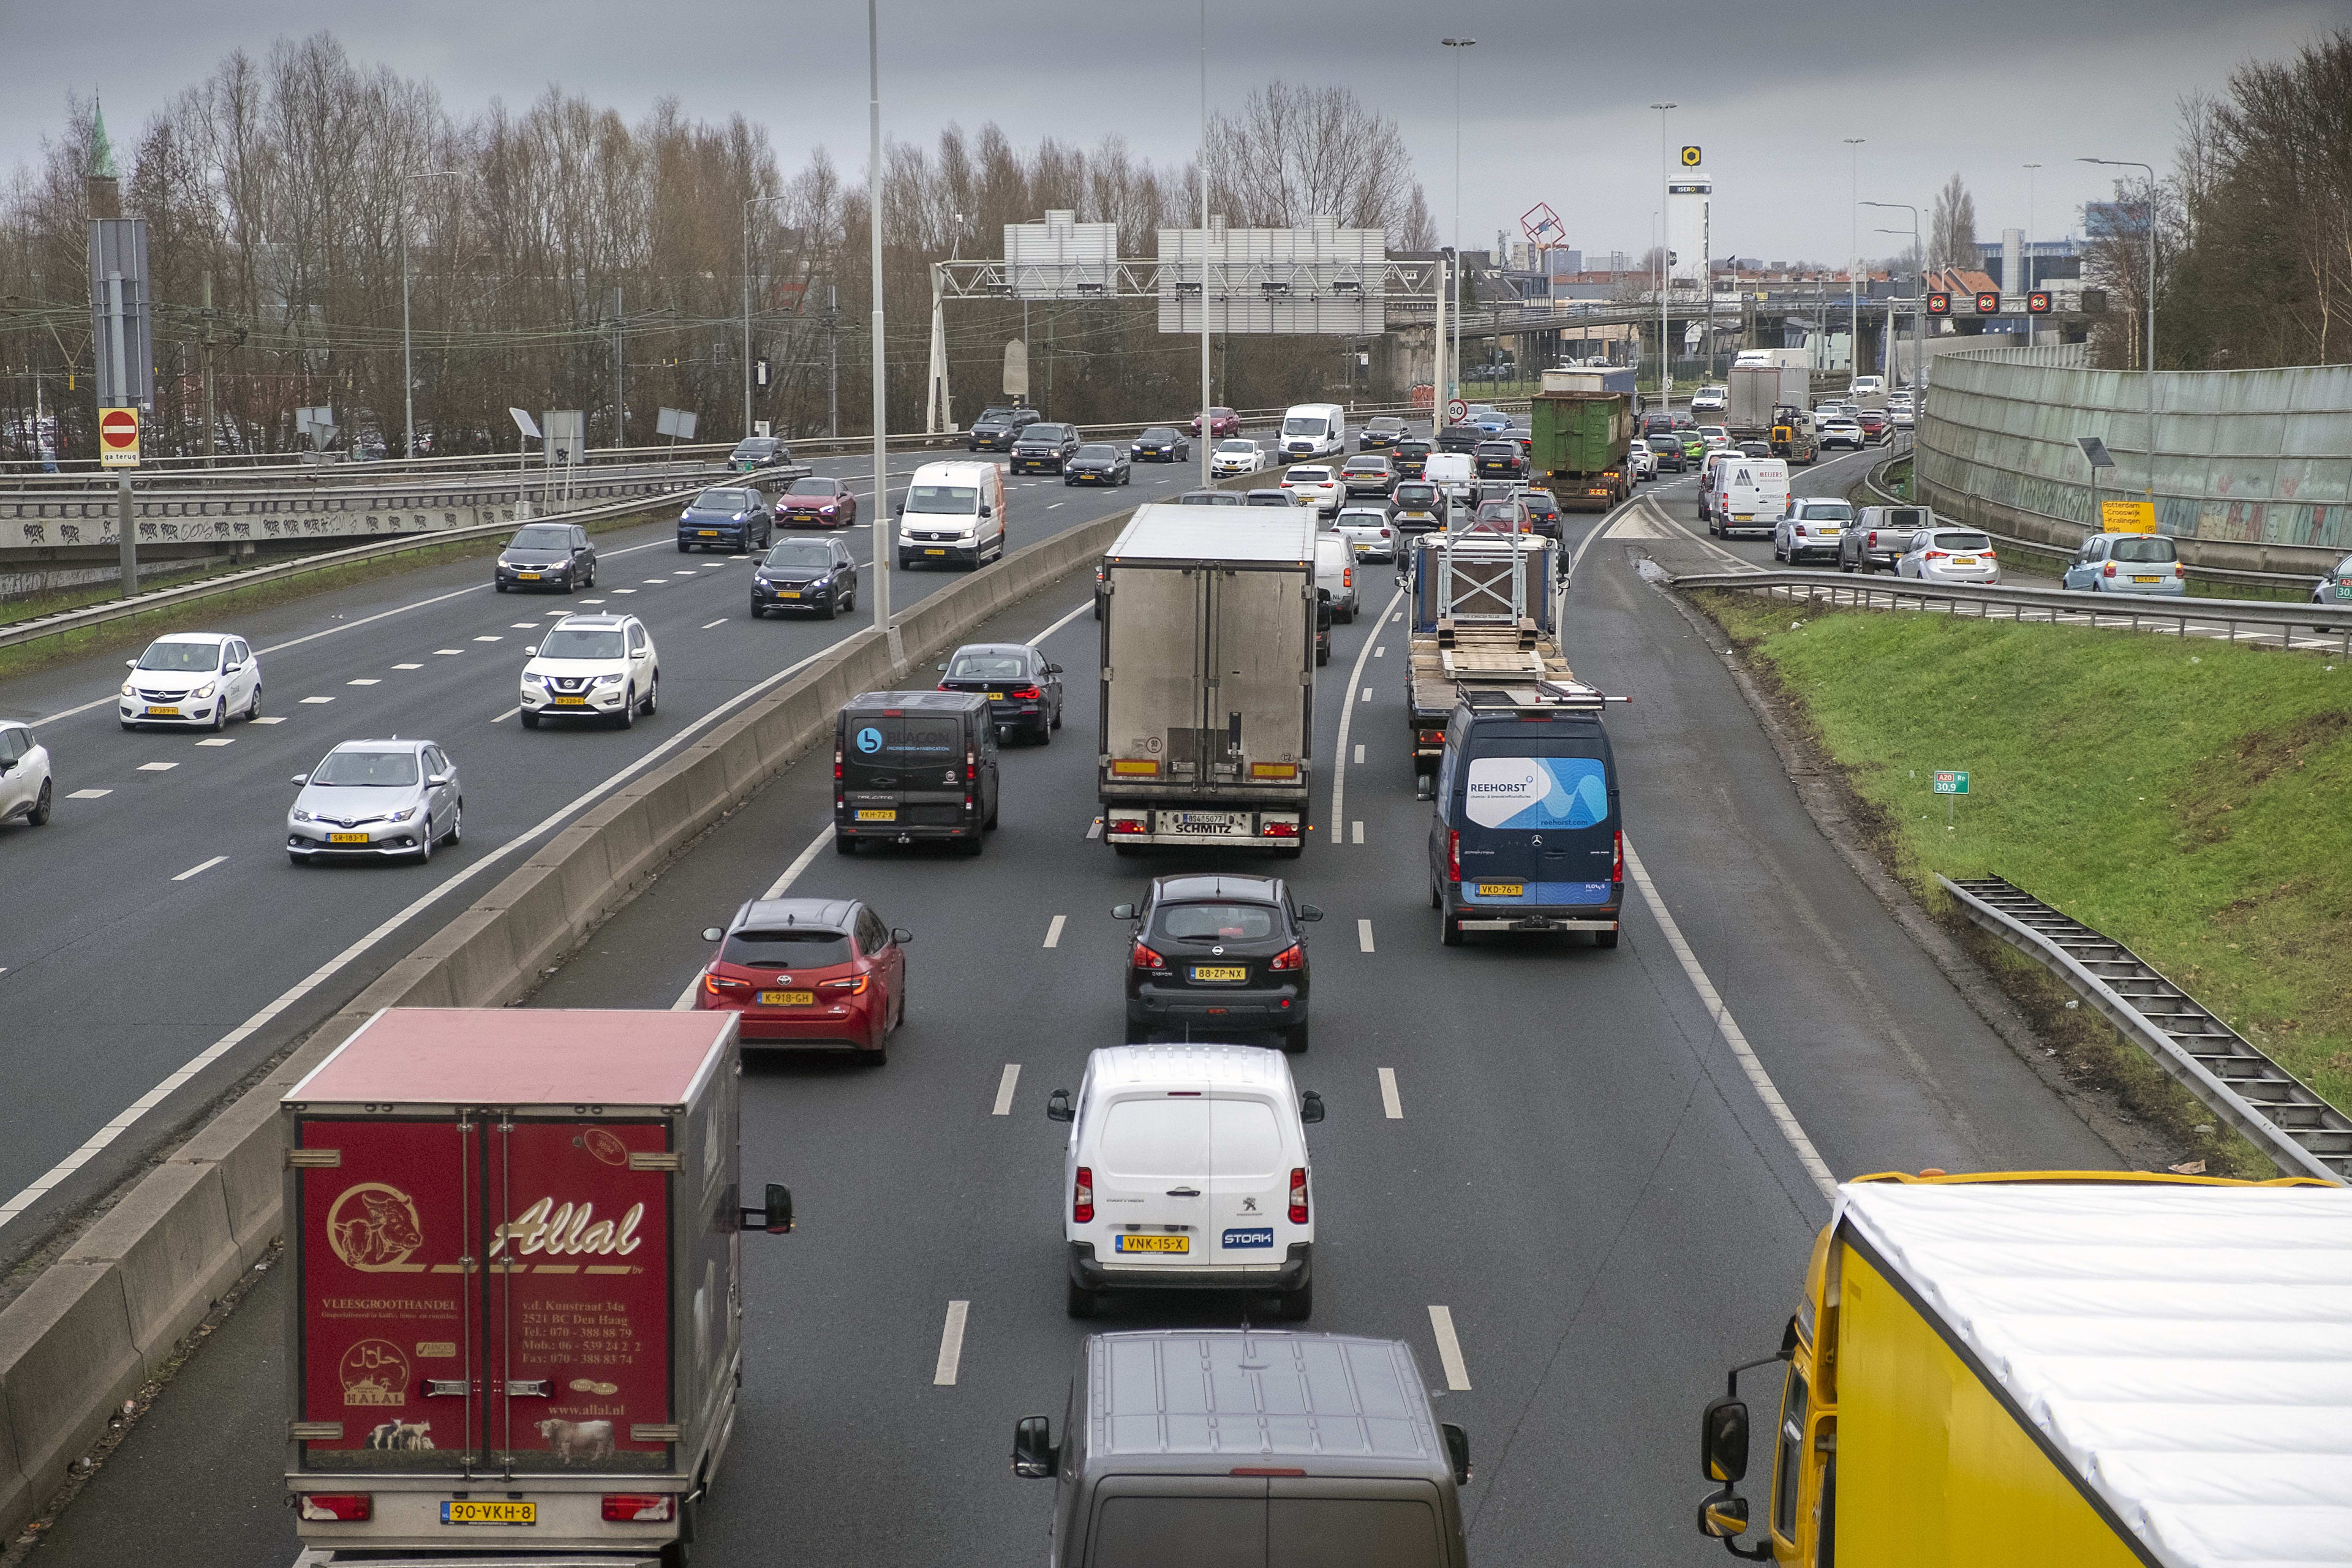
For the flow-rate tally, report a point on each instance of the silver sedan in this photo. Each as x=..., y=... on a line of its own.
x=374, y=800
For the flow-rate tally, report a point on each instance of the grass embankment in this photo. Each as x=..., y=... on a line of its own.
x=2186, y=799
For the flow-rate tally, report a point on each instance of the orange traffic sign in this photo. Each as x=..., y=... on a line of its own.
x=117, y=437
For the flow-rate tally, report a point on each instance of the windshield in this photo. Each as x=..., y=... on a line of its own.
x=1208, y=498
x=1165, y=1139
x=723, y=501
x=812, y=553
x=1303, y=426
x=582, y=642
x=993, y=416
x=190, y=656
x=1966, y=541
x=2141, y=549
x=988, y=666
x=754, y=446
x=551, y=536
x=383, y=769
x=812, y=487
x=1159, y=433
x=960, y=499
x=1100, y=453
x=1308, y=477
x=795, y=948
x=1242, y=447
x=1416, y=495
x=1828, y=511
x=1048, y=433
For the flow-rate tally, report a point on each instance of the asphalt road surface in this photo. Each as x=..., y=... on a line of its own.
x=1558, y=1146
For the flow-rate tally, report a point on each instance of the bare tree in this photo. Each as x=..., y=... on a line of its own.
x=1294, y=152
x=1952, y=230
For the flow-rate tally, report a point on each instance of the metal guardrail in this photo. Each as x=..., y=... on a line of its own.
x=2276, y=1111
x=2058, y=606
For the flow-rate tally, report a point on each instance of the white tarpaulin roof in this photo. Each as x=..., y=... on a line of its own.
x=2187, y=1348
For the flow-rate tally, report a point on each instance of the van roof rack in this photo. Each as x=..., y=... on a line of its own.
x=1537, y=696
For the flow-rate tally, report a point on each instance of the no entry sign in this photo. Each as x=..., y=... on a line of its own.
x=117, y=437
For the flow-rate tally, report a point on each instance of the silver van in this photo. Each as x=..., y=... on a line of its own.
x=1248, y=1448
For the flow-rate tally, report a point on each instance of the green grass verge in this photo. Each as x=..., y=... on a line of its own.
x=2186, y=799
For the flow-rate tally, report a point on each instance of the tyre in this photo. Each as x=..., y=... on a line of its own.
x=568, y=587
x=653, y=697
x=1079, y=1301
x=1297, y=1305
x=424, y=844
x=298, y=859
x=1057, y=716
x=1449, y=930
x=529, y=720
x=974, y=847
x=220, y=714
x=501, y=587
x=41, y=804
x=830, y=609
x=757, y=614
x=628, y=717
x=1845, y=566
x=253, y=709
x=1604, y=939
x=1322, y=656
x=878, y=1056
x=990, y=824
x=1436, y=899
x=679, y=1553
x=683, y=547
x=1294, y=1040
x=843, y=845
x=458, y=825
x=1347, y=617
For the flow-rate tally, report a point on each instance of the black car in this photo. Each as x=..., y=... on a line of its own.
x=1501, y=460
x=1380, y=433
x=1044, y=448
x=997, y=429
x=726, y=518
x=1097, y=463
x=1656, y=424
x=805, y=574
x=1215, y=954
x=1024, y=691
x=1543, y=513
x=910, y=765
x=1755, y=449
x=1463, y=437
x=547, y=555
x=1160, y=445
x=1265, y=498
x=759, y=452
x=1668, y=451
x=1410, y=456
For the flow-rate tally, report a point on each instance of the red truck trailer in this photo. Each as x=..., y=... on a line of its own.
x=515, y=1326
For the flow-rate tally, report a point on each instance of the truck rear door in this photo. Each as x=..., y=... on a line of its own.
x=1154, y=630
x=1257, y=697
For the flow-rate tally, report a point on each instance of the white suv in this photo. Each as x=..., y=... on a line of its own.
x=592, y=667
x=1710, y=400
x=191, y=678
x=25, y=784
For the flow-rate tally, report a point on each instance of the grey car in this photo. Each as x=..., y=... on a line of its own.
x=555, y=555
x=376, y=800
x=2334, y=589
x=2126, y=563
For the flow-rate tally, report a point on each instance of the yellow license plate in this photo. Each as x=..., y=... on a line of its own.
x=164, y=713
x=1502, y=889
x=347, y=838
x=572, y=701
x=527, y=576
x=787, y=998
x=2138, y=579
x=935, y=552
x=454, y=1512
x=996, y=697
x=1220, y=972
x=789, y=594
x=1151, y=1244
x=890, y=815
x=1970, y=560
x=708, y=532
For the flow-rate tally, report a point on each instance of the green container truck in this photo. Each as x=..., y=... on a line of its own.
x=1579, y=451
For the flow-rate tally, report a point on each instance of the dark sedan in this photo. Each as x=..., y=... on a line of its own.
x=1410, y=456
x=726, y=519
x=1368, y=474
x=1223, y=422
x=1265, y=498
x=1097, y=463
x=815, y=574
x=1668, y=451
x=1380, y=433
x=547, y=555
x=1024, y=691
x=1217, y=954
x=1160, y=445
x=1044, y=448
x=755, y=452
x=997, y=429
x=817, y=504
x=1501, y=460
x=1543, y=513
x=1460, y=438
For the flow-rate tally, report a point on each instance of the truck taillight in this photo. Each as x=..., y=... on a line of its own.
x=1298, y=1195
x=1144, y=958
x=346, y=1508
x=1291, y=957
x=640, y=1508
x=1082, y=1196
x=1452, y=855
x=1280, y=830
x=1617, y=863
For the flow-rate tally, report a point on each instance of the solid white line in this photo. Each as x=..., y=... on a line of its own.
x=508, y=714
x=1449, y=1349
x=1363, y=936
x=1005, y=1087
x=1390, y=1106
x=1054, y=932
x=199, y=869
x=1065, y=621
x=1346, y=718
x=1729, y=1028
x=943, y=1376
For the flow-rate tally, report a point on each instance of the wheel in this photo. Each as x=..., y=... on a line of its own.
x=298, y=859
x=1436, y=899
x=253, y=709
x=653, y=696
x=1604, y=939
x=757, y=614
x=501, y=587
x=1057, y=716
x=41, y=806
x=425, y=843
x=1322, y=656
x=830, y=609
x=220, y=714
x=974, y=846
x=1297, y=1305
x=993, y=806
x=1449, y=930
x=568, y=587
x=1347, y=617
x=1294, y=1040
x=683, y=547
x=589, y=581
x=1845, y=566
x=843, y=845
x=529, y=720
x=879, y=1056
x=679, y=1553
x=1127, y=477
x=1079, y=1301
x=628, y=717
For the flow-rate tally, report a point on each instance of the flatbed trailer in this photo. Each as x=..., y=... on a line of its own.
x=1486, y=610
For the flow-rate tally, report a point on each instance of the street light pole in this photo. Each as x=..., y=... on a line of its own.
x=407, y=353
x=1854, y=256
x=748, y=205
x=2025, y=258
x=1918, y=315
x=1208, y=426
x=1454, y=366
x=2149, y=494
x=883, y=529
x=1665, y=264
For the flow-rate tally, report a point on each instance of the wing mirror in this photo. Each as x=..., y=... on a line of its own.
x=1053, y=669
x=713, y=933
x=1308, y=912
x=302, y=778
x=1057, y=1107
x=1035, y=1456
x=901, y=935
x=1122, y=911
x=1723, y=1442
x=1457, y=1449
x=437, y=780
x=774, y=1215
x=1724, y=1516
x=1311, y=1106
x=986, y=509
x=531, y=652
x=129, y=663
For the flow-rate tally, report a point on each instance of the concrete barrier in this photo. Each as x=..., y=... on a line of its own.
x=100, y=1320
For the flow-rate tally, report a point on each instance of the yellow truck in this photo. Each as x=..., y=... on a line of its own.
x=2073, y=1369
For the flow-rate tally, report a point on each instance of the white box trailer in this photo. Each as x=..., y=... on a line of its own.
x=1208, y=677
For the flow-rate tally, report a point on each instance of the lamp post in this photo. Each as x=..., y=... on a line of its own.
x=2150, y=494
x=2025, y=261
x=1665, y=265
x=1853, y=254
x=1454, y=367
x=883, y=529
x=407, y=353
x=1208, y=426
x=748, y=205
x=1918, y=313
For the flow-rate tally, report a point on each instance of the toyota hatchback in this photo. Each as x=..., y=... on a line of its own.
x=376, y=800
x=809, y=972
x=1218, y=955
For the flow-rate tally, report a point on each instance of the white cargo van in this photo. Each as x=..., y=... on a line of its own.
x=1314, y=430
x=1746, y=495
x=1187, y=1168
x=953, y=515
x=1335, y=573
x=1453, y=473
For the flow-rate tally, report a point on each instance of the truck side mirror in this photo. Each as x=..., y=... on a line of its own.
x=1723, y=1440
x=1057, y=1107
x=1311, y=1106
x=1723, y=1516
x=986, y=509
x=1035, y=1456
x=1457, y=1449
x=775, y=1216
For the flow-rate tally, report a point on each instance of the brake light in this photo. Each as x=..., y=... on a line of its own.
x=1291, y=957
x=1986, y=554
x=1947, y=555
x=2110, y=570
x=971, y=768
x=639, y=1508
x=1280, y=830
x=716, y=983
x=1617, y=862
x=854, y=985
x=1298, y=1195
x=1347, y=576
x=2178, y=569
x=1144, y=958
x=1799, y=530
x=1082, y=1196
x=1126, y=824
x=1452, y=855
x=347, y=1508
x=1025, y=693
x=837, y=762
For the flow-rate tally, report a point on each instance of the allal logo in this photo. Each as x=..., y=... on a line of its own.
x=373, y=1372
x=373, y=1227
x=568, y=1229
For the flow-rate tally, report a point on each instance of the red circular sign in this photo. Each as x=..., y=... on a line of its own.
x=119, y=427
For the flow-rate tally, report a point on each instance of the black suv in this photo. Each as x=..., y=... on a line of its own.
x=997, y=429
x=1411, y=456
x=1501, y=460
x=1044, y=448
x=1460, y=438
x=1216, y=953
x=1381, y=432
x=805, y=574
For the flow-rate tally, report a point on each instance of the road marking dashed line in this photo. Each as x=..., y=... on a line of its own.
x=1005, y=1087
x=199, y=868
x=1390, y=1106
x=943, y=1375
x=1363, y=936
x=1449, y=1349
x=1054, y=932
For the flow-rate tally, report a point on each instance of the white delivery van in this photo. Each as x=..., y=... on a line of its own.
x=1187, y=1168
x=1314, y=430
x=1335, y=573
x=953, y=515
x=1746, y=495
x=1452, y=472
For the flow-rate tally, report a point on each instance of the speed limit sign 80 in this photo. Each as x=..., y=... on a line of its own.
x=1456, y=410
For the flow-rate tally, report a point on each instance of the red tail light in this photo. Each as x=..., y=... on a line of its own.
x=1347, y=576
x=2178, y=570
x=1082, y=1196
x=347, y=1508
x=1947, y=555
x=1293, y=957
x=1298, y=1195
x=2110, y=570
x=1025, y=693
x=639, y=1508
x=1280, y=830
x=1144, y=958
x=716, y=983
x=1452, y=856
x=1617, y=865
x=837, y=763
x=971, y=767
x=855, y=985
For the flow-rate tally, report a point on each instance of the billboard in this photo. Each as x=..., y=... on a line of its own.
x=1688, y=198
x=1320, y=279
x=1061, y=259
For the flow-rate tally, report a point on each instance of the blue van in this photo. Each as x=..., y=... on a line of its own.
x=1527, y=833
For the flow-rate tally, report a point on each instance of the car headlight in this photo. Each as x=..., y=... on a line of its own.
x=300, y=815
x=126, y=689
x=531, y=679
x=204, y=690
x=403, y=815
x=611, y=680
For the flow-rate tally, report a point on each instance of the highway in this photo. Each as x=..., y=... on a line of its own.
x=158, y=943
x=1549, y=1168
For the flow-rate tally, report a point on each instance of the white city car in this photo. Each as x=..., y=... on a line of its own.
x=192, y=678
x=23, y=776
x=1313, y=484
x=376, y=800
x=1237, y=456
x=592, y=667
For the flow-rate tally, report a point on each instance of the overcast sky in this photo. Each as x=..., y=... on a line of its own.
x=1551, y=105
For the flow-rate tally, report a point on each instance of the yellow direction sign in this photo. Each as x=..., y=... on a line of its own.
x=1690, y=158
x=2128, y=516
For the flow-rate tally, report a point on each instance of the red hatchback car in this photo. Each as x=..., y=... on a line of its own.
x=1223, y=422
x=817, y=504
x=809, y=972
x=1873, y=423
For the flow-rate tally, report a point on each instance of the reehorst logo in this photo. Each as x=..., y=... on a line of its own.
x=568, y=1231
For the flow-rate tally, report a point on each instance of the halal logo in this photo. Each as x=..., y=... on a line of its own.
x=373, y=1372
x=373, y=1227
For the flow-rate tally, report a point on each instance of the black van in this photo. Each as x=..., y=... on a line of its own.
x=1526, y=833
x=910, y=765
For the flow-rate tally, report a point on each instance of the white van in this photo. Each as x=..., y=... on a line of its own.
x=953, y=514
x=1314, y=430
x=1746, y=495
x=1335, y=573
x=1452, y=472
x=1187, y=1168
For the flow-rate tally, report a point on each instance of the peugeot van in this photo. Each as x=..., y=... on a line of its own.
x=914, y=765
x=1314, y=430
x=953, y=514
x=1187, y=1170
x=1526, y=835
x=1746, y=495
x=1451, y=472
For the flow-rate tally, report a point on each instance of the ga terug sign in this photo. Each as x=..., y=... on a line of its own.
x=118, y=438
